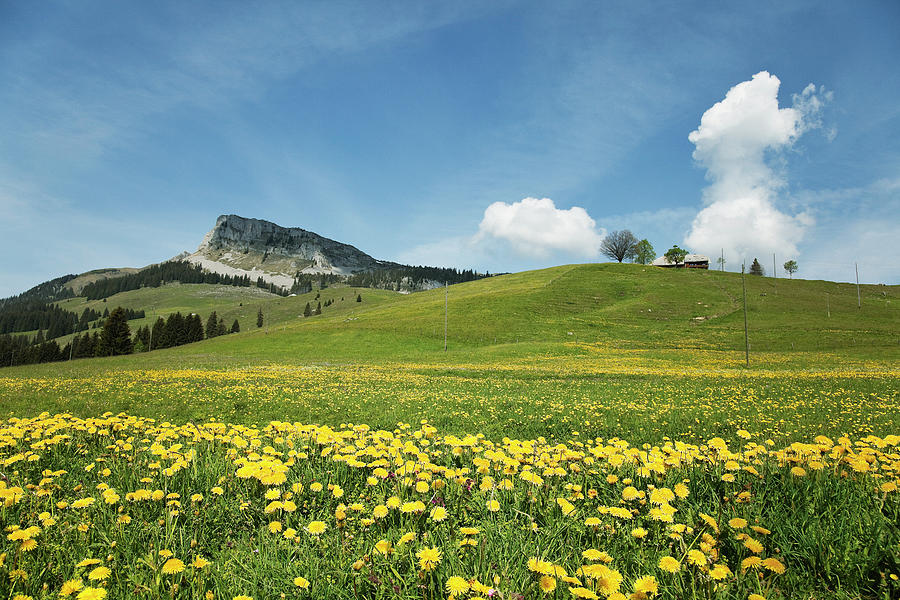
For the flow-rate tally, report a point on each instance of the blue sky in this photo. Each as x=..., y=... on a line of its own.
x=499, y=136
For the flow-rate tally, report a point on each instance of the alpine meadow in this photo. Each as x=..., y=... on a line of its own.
x=405, y=300
x=590, y=430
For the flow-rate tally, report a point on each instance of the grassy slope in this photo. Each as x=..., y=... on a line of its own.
x=625, y=306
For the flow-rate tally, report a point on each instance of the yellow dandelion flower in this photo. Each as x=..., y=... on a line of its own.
x=669, y=564
x=753, y=546
x=200, y=562
x=751, y=562
x=774, y=565
x=696, y=557
x=456, y=586
x=172, y=566
x=91, y=593
x=638, y=532
x=70, y=587
x=581, y=592
x=469, y=530
x=737, y=523
x=383, y=547
x=87, y=562
x=275, y=526
x=547, y=584
x=28, y=545
x=438, y=513
x=99, y=574
x=301, y=582
x=493, y=505
x=380, y=511
x=428, y=558
x=646, y=585
x=316, y=528
x=719, y=572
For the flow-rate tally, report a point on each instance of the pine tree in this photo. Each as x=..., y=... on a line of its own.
x=116, y=336
x=259, y=318
x=307, y=311
x=359, y=297
x=756, y=268
x=220, y=328
x=318, y=309
x=235, y=327
x=195, y=328
x=212, y=325
x=157, y=336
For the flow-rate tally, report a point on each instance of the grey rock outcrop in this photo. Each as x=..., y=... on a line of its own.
x=258, y=248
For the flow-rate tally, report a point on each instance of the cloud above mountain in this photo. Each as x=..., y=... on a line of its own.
x=536, y=227
x=738, y=141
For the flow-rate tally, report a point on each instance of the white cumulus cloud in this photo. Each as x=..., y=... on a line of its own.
x=535, y=227
x=735, y=141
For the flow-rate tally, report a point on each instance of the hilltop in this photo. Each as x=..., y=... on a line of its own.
x=551, y=310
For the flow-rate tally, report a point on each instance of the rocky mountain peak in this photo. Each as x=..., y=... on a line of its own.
x=241, y=246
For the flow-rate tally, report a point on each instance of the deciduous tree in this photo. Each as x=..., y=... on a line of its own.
x=619, y=245
x=644, y=253
x=791, y=267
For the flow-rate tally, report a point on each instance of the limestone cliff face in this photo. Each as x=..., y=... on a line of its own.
x=241, y=246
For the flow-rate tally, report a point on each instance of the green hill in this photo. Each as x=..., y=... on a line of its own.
x=614, y=305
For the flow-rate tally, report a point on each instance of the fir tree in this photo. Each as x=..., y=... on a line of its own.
x=756, y=268
x=212, y=325
x=235, y=327
x=220, y=328
x=307, y=311
x=116, y=336
x=359, y=297
x=259, y=318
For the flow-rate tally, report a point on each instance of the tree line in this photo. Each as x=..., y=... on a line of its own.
x=31, y=315
x=176, y=270
x=115, y=338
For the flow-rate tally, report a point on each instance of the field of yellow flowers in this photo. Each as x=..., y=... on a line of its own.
x=119, y=506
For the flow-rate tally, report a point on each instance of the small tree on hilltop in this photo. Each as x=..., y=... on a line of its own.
x=756, y=268
x=619, y=245
x=307, y=311
x=235, y=327
x=259, y=318
x=359, y=297
x=791, y=267
x=644, y=253
x=676, y=255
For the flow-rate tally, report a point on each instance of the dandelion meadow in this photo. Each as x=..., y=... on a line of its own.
x=123, y=506
x=348, y=456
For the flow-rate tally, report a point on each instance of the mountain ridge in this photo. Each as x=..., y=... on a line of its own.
x=258, y=248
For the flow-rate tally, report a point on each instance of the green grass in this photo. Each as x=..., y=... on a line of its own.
x=581, y=355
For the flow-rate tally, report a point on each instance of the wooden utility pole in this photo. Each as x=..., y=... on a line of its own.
x=774, y=268
x=446, y=295
x=828, y=305
x=858, y=299
x=746, y=332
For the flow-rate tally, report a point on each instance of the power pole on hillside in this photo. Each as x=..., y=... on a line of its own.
x=446, y=295
x=746, y=332
x=858, y=300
